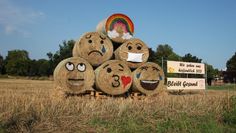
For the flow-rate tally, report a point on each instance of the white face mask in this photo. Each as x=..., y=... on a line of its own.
x=135, y=57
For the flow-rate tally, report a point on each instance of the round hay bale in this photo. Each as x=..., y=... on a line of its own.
x=74, y=75
x=113, y=77
x=134, y=52
x=118, y=27
x=95, y=47
x=148, y=79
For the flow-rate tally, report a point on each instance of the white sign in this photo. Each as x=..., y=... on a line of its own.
x=185, y=83
x=185, y=67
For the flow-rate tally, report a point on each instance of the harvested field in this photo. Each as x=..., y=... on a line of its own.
x=26, y=106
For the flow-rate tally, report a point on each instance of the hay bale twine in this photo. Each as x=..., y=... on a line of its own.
x=118, y=27
x=95, y=47
x=148, y=79
x=113, y=77
x=74, y=75
x=134, y=52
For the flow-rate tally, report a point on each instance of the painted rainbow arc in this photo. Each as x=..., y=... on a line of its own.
x=121, y=20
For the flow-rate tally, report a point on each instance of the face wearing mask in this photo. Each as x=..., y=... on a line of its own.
x=135, y=57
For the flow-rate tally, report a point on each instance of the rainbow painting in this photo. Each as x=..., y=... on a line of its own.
x=120, y=21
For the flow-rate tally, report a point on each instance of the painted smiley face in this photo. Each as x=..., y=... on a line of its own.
x=148, y=78
x=94, y=47
x=113, y=77
x=74, y=74
x=134, y=51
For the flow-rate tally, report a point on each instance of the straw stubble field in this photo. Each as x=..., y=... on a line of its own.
x=26, y=106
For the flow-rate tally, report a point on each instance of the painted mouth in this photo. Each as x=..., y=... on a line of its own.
x=76, y=82
x=116, y=82
x=149, y=84
x=95, y=51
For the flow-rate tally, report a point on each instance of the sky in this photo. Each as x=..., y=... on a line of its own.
x=204, y=28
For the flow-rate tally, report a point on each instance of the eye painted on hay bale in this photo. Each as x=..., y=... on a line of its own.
x=70, y=66
x=94, y=47
x=113, y=77
x=81, y=67
x=74, y=75
x=134, y=52
x=148, y=79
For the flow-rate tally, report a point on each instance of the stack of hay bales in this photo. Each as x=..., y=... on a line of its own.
x=109, y=60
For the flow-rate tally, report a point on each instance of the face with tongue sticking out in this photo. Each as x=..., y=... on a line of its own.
x=148, y=77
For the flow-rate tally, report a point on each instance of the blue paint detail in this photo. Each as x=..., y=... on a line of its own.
x=160, y=77
x=103, y=49
x=138, y=75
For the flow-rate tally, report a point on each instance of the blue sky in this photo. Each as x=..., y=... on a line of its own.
x=204, y=28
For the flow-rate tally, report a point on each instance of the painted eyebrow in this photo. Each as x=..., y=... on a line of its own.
x=128, y=44
x=139, y=44
x=103, y=38
x=144, y=67
x=121, y=66
x=106, y=66
x=88, y=36
x=154, y=68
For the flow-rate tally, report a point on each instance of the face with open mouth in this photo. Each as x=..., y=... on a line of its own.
x=94, y=47
x=134, y=51
x=148, y=78
x=113, y=77
x=74, y=74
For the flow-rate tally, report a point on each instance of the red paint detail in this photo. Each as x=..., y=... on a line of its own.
x=126, y=80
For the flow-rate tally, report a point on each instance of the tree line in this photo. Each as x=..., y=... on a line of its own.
x=18, y=63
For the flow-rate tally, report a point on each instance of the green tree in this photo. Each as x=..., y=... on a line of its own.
x=44, y=67
x=33, y=68
x=17, y=62
x=231, y=63
x=190, y=58
x=152, y=56
x=1, y=64
x=211, y=73
x=162, y=53
x=65, y=51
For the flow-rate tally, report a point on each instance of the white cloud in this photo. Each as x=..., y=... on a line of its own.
x=126, y=36
x=113, y=34
x=13, y=18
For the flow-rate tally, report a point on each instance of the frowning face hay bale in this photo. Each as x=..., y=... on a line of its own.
x=95, y=47
x=113, y=77
x=118, y=27
x=148, y=78
x=134, y=52
x=74, y=75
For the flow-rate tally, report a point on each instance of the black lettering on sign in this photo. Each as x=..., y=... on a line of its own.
x=185, y=83
x=173, y=83
x=190, y=65
x=181, y=64
x=198, y=66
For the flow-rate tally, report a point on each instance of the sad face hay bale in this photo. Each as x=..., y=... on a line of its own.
x=74, y=75
x=134, y=52
x=95, y=47
x=148, y=79
x=118, y=27
x=113, y=77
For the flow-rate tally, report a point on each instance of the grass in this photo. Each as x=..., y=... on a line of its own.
x=223, y=87
x=26, y=106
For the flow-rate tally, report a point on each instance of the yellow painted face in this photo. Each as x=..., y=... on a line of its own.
x=114, y=77
x=95, y=47
x=148, y=77
x=74, y=74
